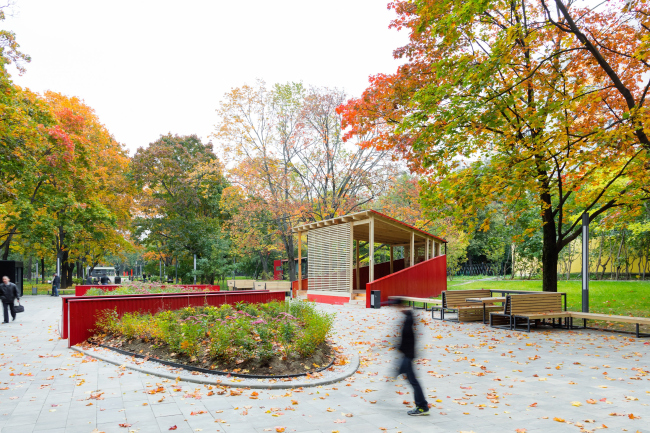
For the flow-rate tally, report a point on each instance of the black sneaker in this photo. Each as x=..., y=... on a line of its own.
x=419, y=411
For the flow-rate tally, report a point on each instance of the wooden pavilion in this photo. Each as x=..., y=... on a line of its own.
x=334, y=271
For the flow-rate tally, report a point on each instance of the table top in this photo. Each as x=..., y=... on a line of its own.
x=492, y=300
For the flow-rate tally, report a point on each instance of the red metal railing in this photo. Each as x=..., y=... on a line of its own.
x=424, y=280
x=83, y=311
x=81, y=290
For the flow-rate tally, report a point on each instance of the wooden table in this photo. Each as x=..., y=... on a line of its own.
x=485, y=301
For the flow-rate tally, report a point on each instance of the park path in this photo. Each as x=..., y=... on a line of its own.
x=478, y=379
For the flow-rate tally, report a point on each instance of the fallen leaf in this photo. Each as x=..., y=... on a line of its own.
x=558, y=419
x=173, y=427
x=576, y=403
x=125, y=425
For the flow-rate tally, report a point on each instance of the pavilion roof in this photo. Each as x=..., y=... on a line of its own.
x=387, y=230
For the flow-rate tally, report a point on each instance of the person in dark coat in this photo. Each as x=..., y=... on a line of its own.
x=407, y=347
x=8, y=293
x=56, y=284
x=105, y=280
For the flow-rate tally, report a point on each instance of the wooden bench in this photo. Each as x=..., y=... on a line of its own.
x=241, y=284
x=606, y=317
x=531, y=308
x=273, y=286
x=454, y=301
x=412, y=300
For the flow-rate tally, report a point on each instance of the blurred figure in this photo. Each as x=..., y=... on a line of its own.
x=105, y=280
x=407, y=347
x=56, y=283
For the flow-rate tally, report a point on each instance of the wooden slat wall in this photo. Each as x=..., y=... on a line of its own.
x=330, y=258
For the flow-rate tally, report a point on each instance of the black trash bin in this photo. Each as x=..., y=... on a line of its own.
x=375, y=299
x=170, y=280
x=118, y=280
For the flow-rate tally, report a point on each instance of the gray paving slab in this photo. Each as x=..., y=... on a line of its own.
x=477, y=379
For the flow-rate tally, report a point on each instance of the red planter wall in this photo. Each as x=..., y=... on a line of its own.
x=82, y=312
x=82, y=289
x=424, y=280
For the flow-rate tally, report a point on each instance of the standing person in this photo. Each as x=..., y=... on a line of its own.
x=407, y=347
x=56, y=283
x=105, y=280
x=9, y=293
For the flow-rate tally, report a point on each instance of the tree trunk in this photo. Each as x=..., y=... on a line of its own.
x=549, y=248
x=5, y=245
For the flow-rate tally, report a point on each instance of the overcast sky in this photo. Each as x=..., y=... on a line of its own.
x=152, y=67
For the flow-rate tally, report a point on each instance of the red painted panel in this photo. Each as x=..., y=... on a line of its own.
x=381, y=270
x=83, y=311
x=305, y=284
x=65, y=299
x=424, y=280
x=328, y=299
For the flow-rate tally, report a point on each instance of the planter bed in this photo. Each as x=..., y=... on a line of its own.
x=81, y=312
x=274, y=339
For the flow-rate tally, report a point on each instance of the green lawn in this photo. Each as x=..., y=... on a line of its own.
x=609, y=297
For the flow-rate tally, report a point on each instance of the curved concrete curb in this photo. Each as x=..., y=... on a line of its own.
x=348, y=371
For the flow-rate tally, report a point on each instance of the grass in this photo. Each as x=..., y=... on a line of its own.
x=608, y=297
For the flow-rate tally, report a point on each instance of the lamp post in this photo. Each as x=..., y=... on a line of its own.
x=585, y=262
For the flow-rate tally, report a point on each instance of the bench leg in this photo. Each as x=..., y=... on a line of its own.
x=637, y=330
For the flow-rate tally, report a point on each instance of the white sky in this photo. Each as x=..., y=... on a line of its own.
x=152, y=67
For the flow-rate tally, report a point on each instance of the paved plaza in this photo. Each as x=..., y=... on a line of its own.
x=478, y=379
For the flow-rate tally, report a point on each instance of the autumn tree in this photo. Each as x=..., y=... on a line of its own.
x=496, y=101
x=180, y=181
x=285, y=144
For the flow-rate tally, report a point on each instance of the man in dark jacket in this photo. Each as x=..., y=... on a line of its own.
x=407, y=347
x=105, y=280
x=56, y=283
x=8, y=293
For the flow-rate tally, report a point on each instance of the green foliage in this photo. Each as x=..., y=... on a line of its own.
x=248, y=331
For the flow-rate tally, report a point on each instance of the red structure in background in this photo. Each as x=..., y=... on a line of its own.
x=82, y=312
x=277, y=269
x=82, y=289
x=424, y=280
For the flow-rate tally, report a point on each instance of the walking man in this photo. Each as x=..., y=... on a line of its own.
x=407, y=347
x=56, y=283
x=8, y=293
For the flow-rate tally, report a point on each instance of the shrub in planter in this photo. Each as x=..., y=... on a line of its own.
x=285, y=330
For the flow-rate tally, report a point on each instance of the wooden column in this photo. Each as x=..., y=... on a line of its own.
x=391, y=259
x=358, y=276
x=371, y=247
x=412, y=248
x=299, y=260
x=426, y=251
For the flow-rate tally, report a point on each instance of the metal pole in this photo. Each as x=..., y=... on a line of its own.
x=176, y=272
x=195, y=269
x=160, y=268
x=585, y=262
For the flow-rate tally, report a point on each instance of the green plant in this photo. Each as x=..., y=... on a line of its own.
x=248, y=331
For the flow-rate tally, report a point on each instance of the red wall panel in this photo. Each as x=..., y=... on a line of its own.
x=424, y=280
x=381, y=270
x=82, y=312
